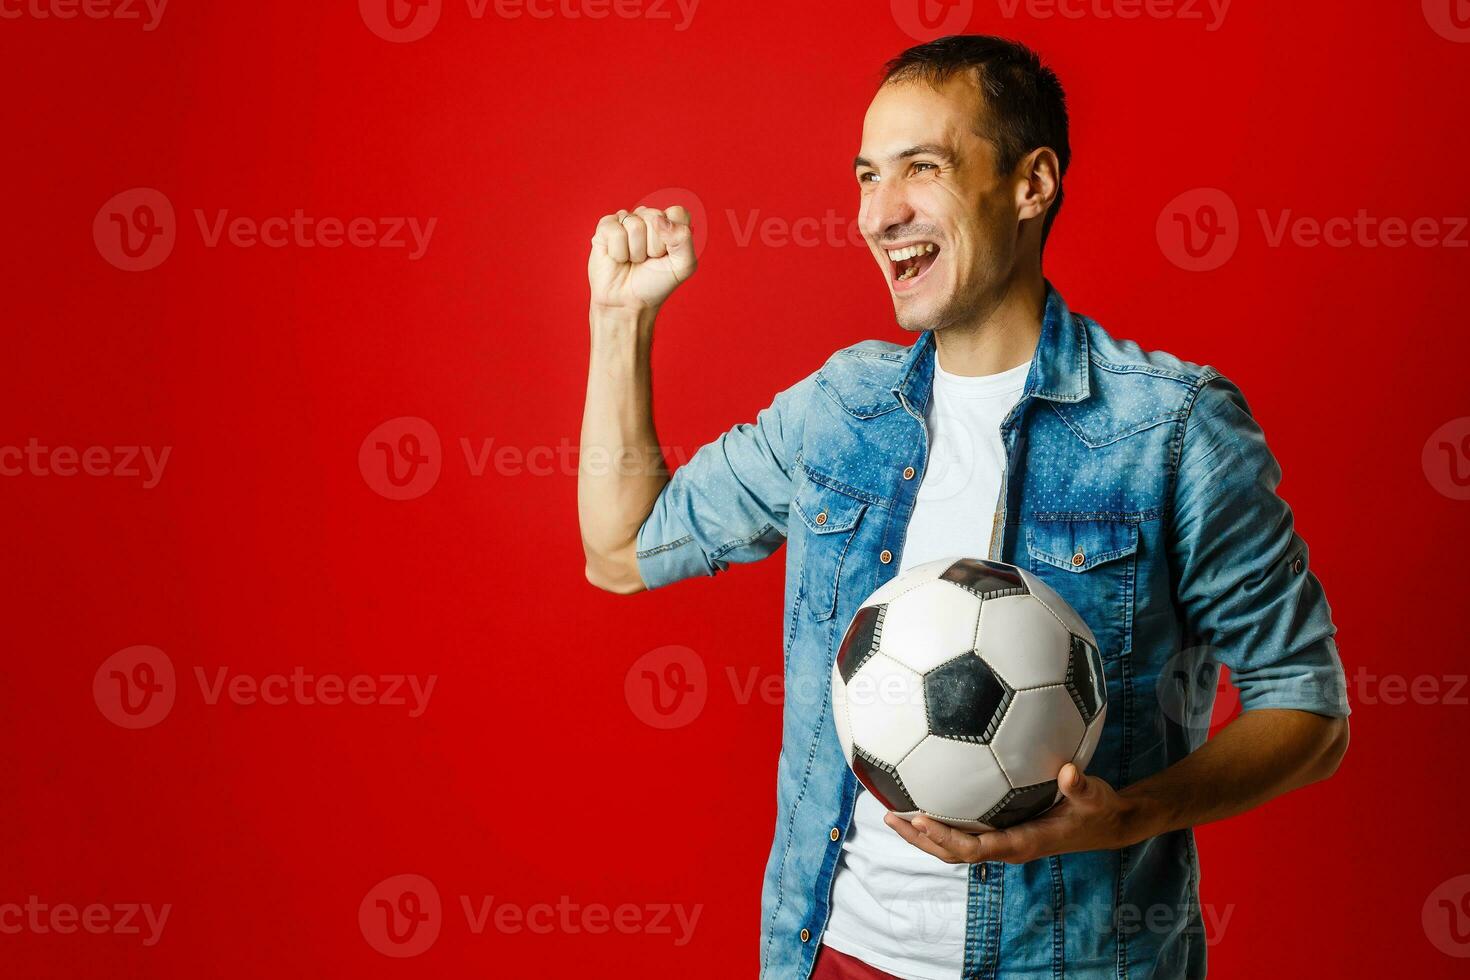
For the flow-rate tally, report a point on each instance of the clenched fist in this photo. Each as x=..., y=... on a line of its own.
x=639, y=258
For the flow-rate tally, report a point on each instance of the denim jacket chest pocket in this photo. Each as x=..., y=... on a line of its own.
x=829, y=519
x=1090, y=562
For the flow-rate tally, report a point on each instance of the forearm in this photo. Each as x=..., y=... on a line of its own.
x=1257, y=757
x=621, y=468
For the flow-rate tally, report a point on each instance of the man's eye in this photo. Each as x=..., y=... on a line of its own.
x=923, y=165
x=867, y=177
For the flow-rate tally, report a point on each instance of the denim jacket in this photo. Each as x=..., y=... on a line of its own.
x=1139, y=486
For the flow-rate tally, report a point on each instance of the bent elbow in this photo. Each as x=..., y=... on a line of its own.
x=618, y=582
x=1335, y=750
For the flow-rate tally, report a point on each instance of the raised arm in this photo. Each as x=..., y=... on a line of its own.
x=637, y=260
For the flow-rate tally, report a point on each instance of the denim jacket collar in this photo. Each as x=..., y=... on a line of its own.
x=1058, y=368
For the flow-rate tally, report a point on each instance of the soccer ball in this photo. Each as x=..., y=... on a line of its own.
x=960, y=690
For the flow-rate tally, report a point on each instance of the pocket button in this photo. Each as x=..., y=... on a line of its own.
x=1078, y=558
x=821, y=518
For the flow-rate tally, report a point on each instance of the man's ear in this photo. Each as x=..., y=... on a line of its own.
x=1038, y=178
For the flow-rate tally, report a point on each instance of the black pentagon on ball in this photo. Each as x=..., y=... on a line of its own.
x=964, y=699
x=861, y=640
x=1085, y=680
x=1021, y=804
x=882, y=781
x=987, y=579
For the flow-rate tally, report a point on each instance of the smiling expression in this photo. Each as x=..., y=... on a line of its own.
x=942, y=224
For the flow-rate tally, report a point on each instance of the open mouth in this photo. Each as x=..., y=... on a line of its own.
x=909, y=263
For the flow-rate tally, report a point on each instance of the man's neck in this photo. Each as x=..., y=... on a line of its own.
x=1001, y=338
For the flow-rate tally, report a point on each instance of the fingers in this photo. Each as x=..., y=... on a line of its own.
x=646, y=233
x=655, y=222
x=1014, y=846
x=989, y=845
x=910, y=833
x=612, y=237
x=1061, y=830
x=637, y=234
x=1019, y=844
x=965, y=847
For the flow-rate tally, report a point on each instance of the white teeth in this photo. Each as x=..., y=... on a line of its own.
x=912, y=251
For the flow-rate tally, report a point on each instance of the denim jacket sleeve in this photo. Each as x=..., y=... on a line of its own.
x=729, y=502
x=1242, y=575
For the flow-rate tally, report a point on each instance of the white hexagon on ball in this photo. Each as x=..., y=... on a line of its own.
x=899, y=584
x=885, y=709
x=1021, y=639
x=930, y=625
x=953, y=780
x=1039, y=734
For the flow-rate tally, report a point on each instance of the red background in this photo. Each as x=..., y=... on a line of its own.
x=531, y=775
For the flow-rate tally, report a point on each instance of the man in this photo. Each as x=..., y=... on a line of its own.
x=1136, y=484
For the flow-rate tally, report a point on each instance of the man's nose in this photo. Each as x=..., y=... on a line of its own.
x=885, y=208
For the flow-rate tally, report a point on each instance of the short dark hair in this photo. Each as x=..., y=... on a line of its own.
x=1025, y=98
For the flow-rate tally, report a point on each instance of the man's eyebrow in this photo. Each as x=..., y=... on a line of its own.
x=922, y=149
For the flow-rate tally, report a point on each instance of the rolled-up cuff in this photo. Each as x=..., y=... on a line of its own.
x=1311, y=680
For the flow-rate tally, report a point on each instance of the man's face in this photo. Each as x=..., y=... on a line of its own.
x=939, y=219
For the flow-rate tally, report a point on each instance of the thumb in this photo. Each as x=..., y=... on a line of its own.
x=1072, y=782
x=679, y=238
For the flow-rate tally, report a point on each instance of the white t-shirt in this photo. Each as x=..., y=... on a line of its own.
x=894, y=906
